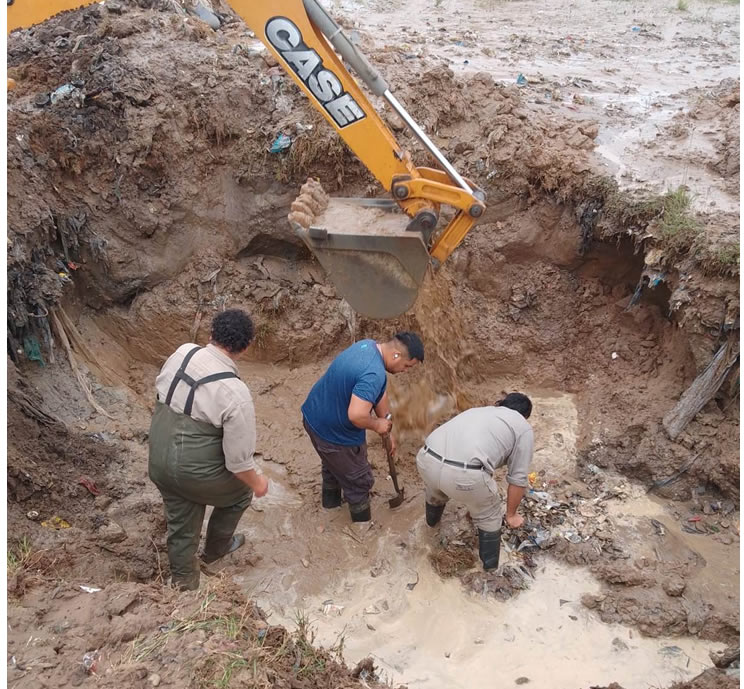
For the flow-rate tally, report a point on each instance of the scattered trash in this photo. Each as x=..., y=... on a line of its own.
x=619, y=645
x=636, y=29
x=593, y=469
x=154, y=680
x=371, y=610
x=660, y=530
x=261, y=633
x=90, y=589
x=671, y=651
x=466, y=62
x=281, y=143
x=90, y=485
x=521, y=80
x=32, y=349
x=207, y=16
x=329, y=608
x=412, y=585
x=61, y=92
x=305, y=563
x=460, y=43
x=521, y=680
x=615, y=355
x=562, y=602
x=33, y=515
x=572, y=537
x=696, y=518
x=532, y=477
x=55, y=523
x=90, y=662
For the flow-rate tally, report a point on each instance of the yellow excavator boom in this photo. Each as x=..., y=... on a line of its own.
x=376, y=258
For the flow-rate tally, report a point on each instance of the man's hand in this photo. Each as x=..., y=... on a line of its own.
x=258, y=483
x=514, y=521
x=261, y=487
x=383, y=426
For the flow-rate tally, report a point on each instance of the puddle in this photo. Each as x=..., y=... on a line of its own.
x=374, y=588
x=438, y=636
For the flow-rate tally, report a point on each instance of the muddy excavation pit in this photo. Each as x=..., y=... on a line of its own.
x=144, y=200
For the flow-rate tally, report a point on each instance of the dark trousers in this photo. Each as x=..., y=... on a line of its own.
x=187, y=465
x=343, y=466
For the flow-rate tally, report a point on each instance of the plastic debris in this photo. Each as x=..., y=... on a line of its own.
x=33, y=515
x=207, y=16
x=615, y=355
x=89, y=484
x=61, y=92
x=55, y=523
x=32, y=349
x=671, y=651
x=90, y=661
x=329, y=608
x=636, y=29
x=532, y=477
x=521, y=80
x=281, y=143
x=571, y=536
x=90, y=589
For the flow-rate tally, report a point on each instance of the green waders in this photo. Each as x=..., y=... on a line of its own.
x=188, y=467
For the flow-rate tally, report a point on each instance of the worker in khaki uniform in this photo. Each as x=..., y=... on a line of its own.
x=202, y=440
x=458, y=459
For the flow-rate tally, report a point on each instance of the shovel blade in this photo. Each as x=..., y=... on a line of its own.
x=397, y=500
x=363, y=245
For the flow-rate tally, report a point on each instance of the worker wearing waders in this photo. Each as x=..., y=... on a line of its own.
x=202, y=440
x=338, y=412
x=458, y=459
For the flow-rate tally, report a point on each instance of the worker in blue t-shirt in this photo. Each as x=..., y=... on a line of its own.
x=338, y=412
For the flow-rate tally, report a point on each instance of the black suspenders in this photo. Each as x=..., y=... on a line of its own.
x=181, y=375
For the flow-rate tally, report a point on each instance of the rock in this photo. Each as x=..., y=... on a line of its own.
x=619, y=645
x=521, y=680
x=102, y=502
x=674, y=585
x=119, y=604
x=112, y=533
x=154, y=680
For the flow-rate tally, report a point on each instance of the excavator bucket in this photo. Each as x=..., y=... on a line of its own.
x=363, y=245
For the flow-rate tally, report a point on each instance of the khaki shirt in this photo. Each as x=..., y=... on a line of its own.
x=225, y=404
x=489, y=436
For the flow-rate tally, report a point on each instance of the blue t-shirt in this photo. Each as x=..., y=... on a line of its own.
x=358, y=370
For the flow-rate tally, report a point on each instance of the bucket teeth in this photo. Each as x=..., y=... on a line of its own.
x=373, y=261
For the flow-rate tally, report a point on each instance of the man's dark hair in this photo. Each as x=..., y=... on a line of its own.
x=413, y=344
x=518, y=402
x=233, y=330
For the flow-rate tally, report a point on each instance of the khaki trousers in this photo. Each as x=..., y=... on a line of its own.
x=475, y=489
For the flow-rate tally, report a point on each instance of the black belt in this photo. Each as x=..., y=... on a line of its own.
x=462, y=465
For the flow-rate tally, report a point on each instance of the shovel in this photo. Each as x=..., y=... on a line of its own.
x=399, y=492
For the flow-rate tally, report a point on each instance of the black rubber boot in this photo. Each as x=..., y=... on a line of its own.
x=360, y=512
x=235, y=543
x=221, y=538
x=489, y=548
x=434, y=513
x=331, y=497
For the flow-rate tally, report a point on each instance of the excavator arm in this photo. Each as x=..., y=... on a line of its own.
x=376, y=257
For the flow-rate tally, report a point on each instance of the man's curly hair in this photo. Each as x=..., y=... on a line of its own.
x=232, y=330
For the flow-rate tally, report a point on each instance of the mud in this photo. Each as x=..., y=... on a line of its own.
x=147, y=201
